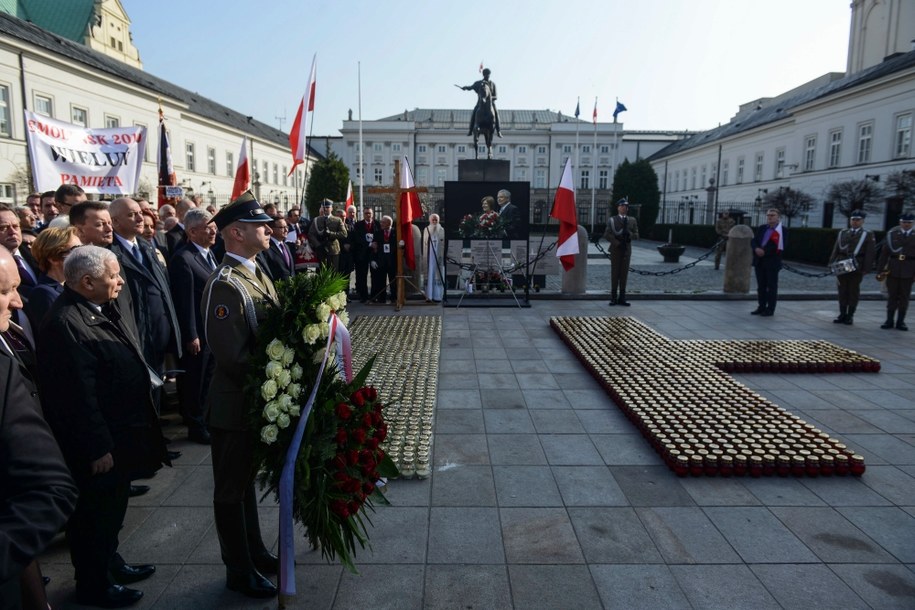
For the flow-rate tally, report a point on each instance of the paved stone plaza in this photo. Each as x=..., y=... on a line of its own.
x=543, y=495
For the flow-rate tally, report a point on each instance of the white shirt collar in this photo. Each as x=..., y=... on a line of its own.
x=248, y=263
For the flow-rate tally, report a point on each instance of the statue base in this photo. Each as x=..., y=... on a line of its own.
x=484, y=170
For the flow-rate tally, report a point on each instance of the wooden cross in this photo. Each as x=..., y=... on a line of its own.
x=397, y=191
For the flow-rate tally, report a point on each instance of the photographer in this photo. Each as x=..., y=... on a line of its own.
x=621, y=230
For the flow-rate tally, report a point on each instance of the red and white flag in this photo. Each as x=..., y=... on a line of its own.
x=564, y=211
x=594, y=116
x=242, y=172
x=349, y=196
x=481, y=66
x=410, y=209
x=299, y=133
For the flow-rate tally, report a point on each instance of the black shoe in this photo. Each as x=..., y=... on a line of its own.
x=757, y=311
x=849, y=320
x=173, y=455
x=766, y=313
x=114, y=596
x=623, y=303
x=126, y=574
x=612, y=302
x=900, y=325
x=266, y=563
x=252, y=584
x=840, y=319
x=138, y=490
x=201, y=437
x=886, y=325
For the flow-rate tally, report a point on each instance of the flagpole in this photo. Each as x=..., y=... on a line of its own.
x=361, y=153
x=616, y=148
x=594, y=177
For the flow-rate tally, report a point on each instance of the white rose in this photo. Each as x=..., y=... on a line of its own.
x=323, y=311
x=273, y=369
x=294, y=389
x=325, y=330
x=275, y=349
x=268, y=390
x=284, y=402
x=344, y=317
x=269, y=434
x=338, y=301
x=271, y=411
x=295, y=410
x=296, y=372
x=284, y=378
x=282, y=421
x=311, y=333
x=288, y=356
x=319, y=355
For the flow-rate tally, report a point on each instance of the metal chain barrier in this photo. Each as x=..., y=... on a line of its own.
x=512, y=269
x=670, y=272
x=791, y=269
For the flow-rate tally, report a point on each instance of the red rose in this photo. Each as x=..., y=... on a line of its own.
x=341, y=477
x=352, y=486
x=341, y=436
x=354, y=507
x=367, y=470
x=339, y=462
x=372, y=443
x=343, y=410
x=368, y=488
x=371, y=393
x=368, y=420
x=377, y=419
x=352, y=457
x=358, y=435
x=381, y=432
x=366, y=456
x=357, y=399
x=339, y=507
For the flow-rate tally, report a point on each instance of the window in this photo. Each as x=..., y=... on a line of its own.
x=865, y=138
x=266, y=175
x=8, y=194
x=740, y=171
x=379, y=175
x=276, y=174
x=903, y=140
x=189, y=156
x=780, y=163
x=539, y=178
x=44, y=105
x=441, y=148
x=835, y=148
x=703, y=182
x=395, y=147
x=541, y=150
x=586, y=148
x=522, y=150
x=758, y=168
x=585, y=179
x=601, y=214
x=79, y=116
x=693, y=177
x=604, y=149
x=5, y=128
x=377, y=146
x=603, y=177
x=676, y=180
x=440, y=174
x=810, y=152
x=285, y=176
x=566, y=149
x=112, y=121
x=461, y=149
x=211, y=160
x=724, y=173
x=582, y=215
x=502, y=149
x=230, y=165
x=421, y=148
x=422, y=175
x=521, y=174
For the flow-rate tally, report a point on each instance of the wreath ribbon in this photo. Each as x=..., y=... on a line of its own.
x=344, y=354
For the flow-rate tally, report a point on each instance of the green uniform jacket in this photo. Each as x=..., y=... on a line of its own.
x=234, y=302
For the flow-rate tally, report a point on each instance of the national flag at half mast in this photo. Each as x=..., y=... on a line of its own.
x=167, y=176
x=242, y=172
x=577, y=108
x=619, y=108
x=299, y=134
x=564, y=211
x=410, y=210
x=349, y=196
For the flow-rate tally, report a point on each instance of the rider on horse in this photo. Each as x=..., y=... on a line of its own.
x=482, y=88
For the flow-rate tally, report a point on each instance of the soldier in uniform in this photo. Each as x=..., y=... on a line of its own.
x=325, y=235
x=858, y=244
x=723, y=226
x=897, y=265
x=235, y=300
x=621, y=230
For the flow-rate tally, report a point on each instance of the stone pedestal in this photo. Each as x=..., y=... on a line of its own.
x=575, y=280
x=484, y=170
x=416, y=273
x=738, y=261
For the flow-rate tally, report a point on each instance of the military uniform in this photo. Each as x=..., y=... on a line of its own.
x=235, y=301
x=897, y=262
x=325, y=235
x=621, y=230
x=859, y=244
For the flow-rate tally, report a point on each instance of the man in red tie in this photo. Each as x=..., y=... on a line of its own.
x=768, y=244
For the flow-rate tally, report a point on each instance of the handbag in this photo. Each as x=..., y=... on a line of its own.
x=849, y=265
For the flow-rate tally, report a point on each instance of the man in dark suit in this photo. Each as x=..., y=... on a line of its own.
x=96, y=394
x=38, y=494
x=279, y=258
x=384, y=261
x=768, y=244
x=509, y=215
x=153, y=308
x=189, y=270
x=177, y=236
x=11, y=239
x=361, y=247
x=236, y=291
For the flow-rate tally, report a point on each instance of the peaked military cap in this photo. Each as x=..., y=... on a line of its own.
x=624, y=201
x=908, y=216
x=859, y=214
x=245, y=208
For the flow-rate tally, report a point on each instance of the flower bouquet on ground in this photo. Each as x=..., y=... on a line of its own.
x=339, y=461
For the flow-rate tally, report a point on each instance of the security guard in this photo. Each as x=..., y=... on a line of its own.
x=235, y=301
x=621, y=230
x=856, y=243
x=897, y=265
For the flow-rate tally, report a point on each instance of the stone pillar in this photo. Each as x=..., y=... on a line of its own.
x=575, y=280
x=739, y=260
x=416, y=272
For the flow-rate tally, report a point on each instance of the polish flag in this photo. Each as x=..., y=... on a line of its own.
x=410, y=209
x=242, y=172
x=299, y=133
x=564, y=211
x=349, y=196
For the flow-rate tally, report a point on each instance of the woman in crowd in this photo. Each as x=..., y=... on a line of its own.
x=50, y=250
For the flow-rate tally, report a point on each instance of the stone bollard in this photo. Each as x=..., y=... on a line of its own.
x=575, y=280
x=416, y=272
x=739, y=260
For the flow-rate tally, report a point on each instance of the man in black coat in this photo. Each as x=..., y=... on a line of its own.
x=509, y=214
x=97, y=397
x=768, y=243
x=38, y=494
x=279, y=259
x=361, y=247
x=189, y=270
x=384, y=262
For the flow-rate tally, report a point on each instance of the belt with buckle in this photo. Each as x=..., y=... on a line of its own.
x=902, y=257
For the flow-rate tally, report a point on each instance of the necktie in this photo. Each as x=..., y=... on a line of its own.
x=25, y=274
x=625, y=231
x=285, y=252
x=136, y=253
x=211, y=259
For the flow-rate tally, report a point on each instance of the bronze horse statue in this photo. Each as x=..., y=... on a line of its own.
x=484, y=121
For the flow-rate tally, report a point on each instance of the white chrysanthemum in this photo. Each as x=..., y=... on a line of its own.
x=323, y=311
x=296, y=372
x=271, y=411
x=284, y=378
x=273, y=369
x=288, y=356
x=268, y=390
x=275, y=349
x=269, y=434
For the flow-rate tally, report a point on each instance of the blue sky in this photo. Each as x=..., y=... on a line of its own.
x=676, y=64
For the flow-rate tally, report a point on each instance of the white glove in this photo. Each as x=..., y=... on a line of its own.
x=373, y=265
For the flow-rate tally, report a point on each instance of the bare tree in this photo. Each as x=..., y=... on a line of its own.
x=902, y=185
x=851, y=195
x=789, y=202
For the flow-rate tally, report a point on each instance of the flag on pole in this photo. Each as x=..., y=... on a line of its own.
x=594, y=116
x=564, y=211
x=410, y=209
x=577, y=108
x=242, y=172
x=619, y=108
x=349, y=196
x=167, y=176
x=481, y=66
x=299, y=132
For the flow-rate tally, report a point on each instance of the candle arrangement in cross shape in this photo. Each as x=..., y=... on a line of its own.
x=697, y=417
